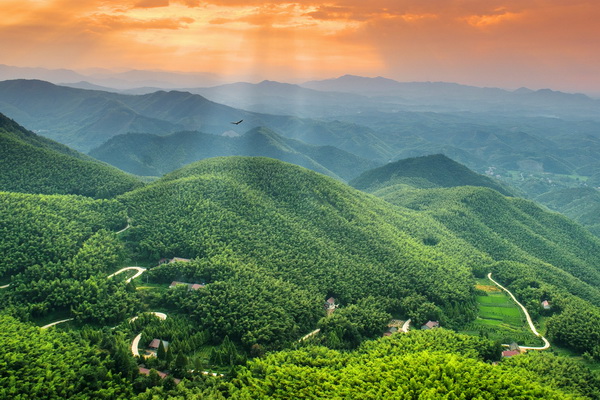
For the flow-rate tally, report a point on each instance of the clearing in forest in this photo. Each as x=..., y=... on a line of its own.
x=499, y=318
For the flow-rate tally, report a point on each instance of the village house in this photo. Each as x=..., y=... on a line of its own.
x=154, y=345
x=546, y=305
x=163, y=375
x=510, y=353
x=431, y=325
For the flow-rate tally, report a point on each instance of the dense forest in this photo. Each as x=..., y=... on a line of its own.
x=31, y=164
x=257, y=246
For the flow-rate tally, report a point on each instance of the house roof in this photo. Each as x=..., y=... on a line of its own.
x=331, y=300
x=510, y=353
x=545, y=303
x=163, y=375
x=155, y=343
x=431, y=324
x=197, y=286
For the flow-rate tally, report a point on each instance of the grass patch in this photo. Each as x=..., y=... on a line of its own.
x=499, y=318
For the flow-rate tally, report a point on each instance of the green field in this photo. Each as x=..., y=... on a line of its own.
x=500, y=318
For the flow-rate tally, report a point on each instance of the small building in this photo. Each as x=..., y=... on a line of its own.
x=510, y=353
x=163, y=261
x=330, y=302
x=163, y=375
x=196, y=286
x=431, y=325
x=179, y=259
x=546, y=305
x=155, y=344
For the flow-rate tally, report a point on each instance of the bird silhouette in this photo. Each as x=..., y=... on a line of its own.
x=237, y=123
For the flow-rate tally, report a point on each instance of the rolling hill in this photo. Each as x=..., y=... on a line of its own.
x=435, y=171
x=152, y=155
x=32, y=164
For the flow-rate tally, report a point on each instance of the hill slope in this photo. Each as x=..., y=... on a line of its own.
x=146, y=154
x=31, y=164
x=580, y=204
x=423, y=172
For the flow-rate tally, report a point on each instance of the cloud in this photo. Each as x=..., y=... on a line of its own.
x=151, y=3
x=105, y=22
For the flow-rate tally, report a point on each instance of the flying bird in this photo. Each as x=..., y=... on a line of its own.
x=237, y=123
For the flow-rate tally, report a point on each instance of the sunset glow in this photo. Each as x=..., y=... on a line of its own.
x=535, y=43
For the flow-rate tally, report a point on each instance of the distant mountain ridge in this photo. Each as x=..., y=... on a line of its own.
x=84, y=119
x=146, y=154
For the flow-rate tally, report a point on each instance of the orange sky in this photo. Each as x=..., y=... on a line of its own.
x=512, y=43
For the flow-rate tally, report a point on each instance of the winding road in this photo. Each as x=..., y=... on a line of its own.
x=136, y=340
x=313, y=333
x=139, y=270
x=4, y=286
x=126, y=227
x=529, y=321
x=56, y=323
x=405, y=326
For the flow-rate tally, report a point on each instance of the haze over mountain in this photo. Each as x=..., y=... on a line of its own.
x=146, y=154
x=85, y=119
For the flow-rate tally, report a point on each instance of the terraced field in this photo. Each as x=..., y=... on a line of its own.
x=499, y=317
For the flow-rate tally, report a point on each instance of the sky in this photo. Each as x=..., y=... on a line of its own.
x=509, y=44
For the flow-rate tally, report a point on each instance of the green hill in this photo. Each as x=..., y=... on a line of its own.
x=434, y=364
x=153, y=155
x=423, y=172
x=539, y=254
x=580, y=204
x=281, y=222
x=31, y=164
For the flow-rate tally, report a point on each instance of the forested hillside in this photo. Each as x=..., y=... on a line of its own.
x=31, y=164
x=276, y=221
x=153, y=155
x=57, y=251
x=580, y=204
x=268, y=242
x=424, y=173
x=434, y=364
x=540, y=254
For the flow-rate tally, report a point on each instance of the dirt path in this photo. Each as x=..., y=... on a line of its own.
x=56, y=323
x=313, y=333
x=405, y=326
x=126, y=227
x=136, y=341
x=529, y=321
x=139, y=270
x=4, y=286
